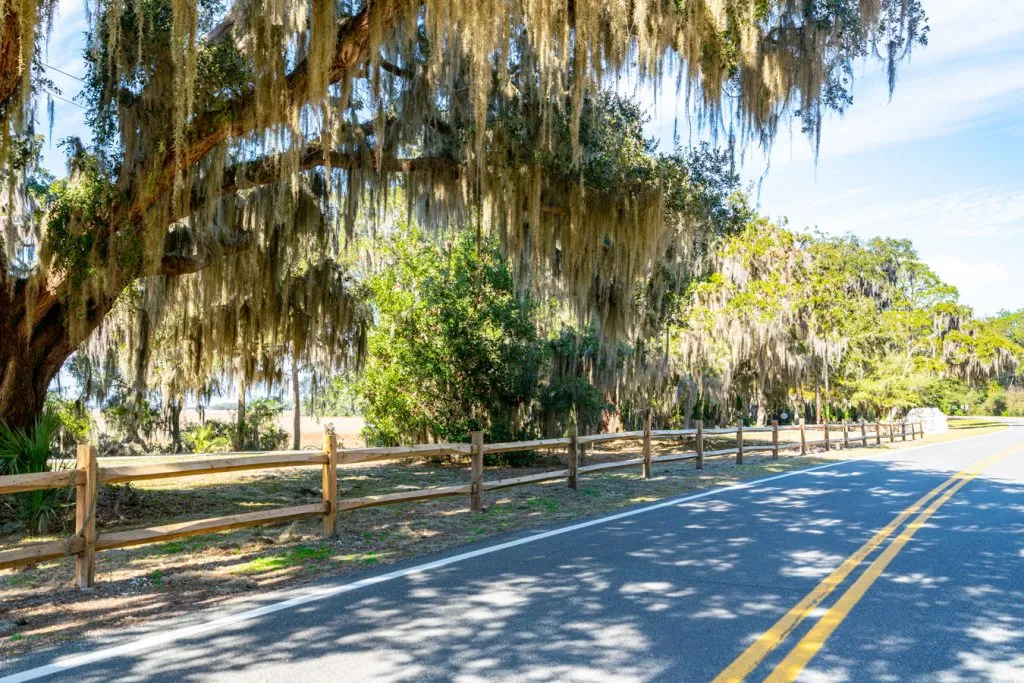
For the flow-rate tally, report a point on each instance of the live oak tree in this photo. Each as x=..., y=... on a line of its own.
x=208, y=120
x=786, y=312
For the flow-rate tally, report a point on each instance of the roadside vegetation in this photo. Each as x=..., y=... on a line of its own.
x=173, y=579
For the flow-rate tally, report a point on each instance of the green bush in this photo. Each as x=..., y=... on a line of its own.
x=1015, y=403
x=259, y=430
x=455, y=348
x=75, y=422
x=26, y=452
x=210, y=437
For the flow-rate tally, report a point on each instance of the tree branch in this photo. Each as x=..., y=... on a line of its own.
x=185, y=264
x=210, y=129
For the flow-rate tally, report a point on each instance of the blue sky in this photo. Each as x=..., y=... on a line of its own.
x=942, y=163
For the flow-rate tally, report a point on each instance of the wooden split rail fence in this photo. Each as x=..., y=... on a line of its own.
x=87, y=477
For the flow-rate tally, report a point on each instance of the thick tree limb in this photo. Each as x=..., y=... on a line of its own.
x=11, y=67
x=185, y=264
x=210, y=129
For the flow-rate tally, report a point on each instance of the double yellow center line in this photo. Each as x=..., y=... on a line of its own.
x=804, y=651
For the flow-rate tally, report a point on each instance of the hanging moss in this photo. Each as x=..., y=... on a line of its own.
x=275, y=124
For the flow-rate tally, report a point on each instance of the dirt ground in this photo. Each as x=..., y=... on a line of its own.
x=39, y=606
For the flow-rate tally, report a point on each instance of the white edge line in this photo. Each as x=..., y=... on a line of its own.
x=323, y=593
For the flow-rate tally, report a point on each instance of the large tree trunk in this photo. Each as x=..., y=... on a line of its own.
x=28, y=365
x=11, y=64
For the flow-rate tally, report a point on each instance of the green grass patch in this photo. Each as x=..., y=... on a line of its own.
x=547, y=504
x=15, y=581
x=300, y=555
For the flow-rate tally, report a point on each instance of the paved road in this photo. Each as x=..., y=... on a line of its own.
x=676, y=591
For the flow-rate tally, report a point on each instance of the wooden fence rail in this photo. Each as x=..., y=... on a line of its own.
x=87, y=476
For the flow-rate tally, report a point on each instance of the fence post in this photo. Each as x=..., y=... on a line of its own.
x=828, y=444
x=700, y=444
x=739, y=442
x=573, y=458
x=476, y=469
x=863, y=433
x=329, y=487
x=878, y=432
x=892, y=433
x=85, y=516
x=803, y=436
x=647, y=446
x=846, y=433
x=775, y=439
x=920, y=428
x=903, y=430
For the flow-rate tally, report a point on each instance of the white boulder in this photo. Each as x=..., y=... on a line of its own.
x=932, y=420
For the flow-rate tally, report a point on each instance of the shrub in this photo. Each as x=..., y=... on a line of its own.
x=259, y=430
x=210, y=437
x=75, y=423
x=25, y=452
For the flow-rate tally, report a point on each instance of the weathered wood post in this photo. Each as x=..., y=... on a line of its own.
x=903, y=430
x=775, y=439
x=476, y=481
x=647, y=446
x=878, y=432
x=846, y=434
x=329, y=487
x=739, y=442
x=573, y=457
x=803, y=436
x=892, y=433
x=863, y=433
x=700, y=444
x=828, y=444
x=85, y=516
x=920, y=428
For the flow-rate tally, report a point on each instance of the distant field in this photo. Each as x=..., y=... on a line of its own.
x=348, y=429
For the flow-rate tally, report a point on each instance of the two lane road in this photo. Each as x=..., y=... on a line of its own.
x=906, y=565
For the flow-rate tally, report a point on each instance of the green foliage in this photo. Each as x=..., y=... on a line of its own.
x=454, y=349
x=212, y=436
x=129, y=416
x=28, y=451
x=569, y=398
x=337, y=397
x=259, y=430
x=75, y=422
x=867, y=324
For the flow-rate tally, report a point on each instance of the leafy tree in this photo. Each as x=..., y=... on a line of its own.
x=454, y=349
x=869, y=324
x=207, y=120
x=337, y=396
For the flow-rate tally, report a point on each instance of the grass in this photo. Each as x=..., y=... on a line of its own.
x=178, y=577
x=302, y=555
x=966, y=423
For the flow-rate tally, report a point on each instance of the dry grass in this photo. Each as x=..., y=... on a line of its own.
x=159, y=581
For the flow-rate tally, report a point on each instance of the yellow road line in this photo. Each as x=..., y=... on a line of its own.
x=774, y=636
x=810, y=644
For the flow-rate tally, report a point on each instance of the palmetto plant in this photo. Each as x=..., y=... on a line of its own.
x=206, y=439
x=28, y=451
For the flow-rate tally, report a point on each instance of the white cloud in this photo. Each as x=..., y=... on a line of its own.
x=952, y=268
x=988, y=212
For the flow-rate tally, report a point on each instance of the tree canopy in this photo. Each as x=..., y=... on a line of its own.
x=219, y=132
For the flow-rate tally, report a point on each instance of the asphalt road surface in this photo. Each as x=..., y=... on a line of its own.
x=903, y=566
